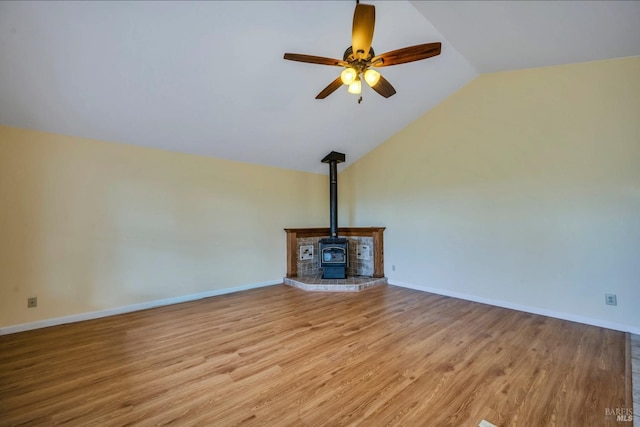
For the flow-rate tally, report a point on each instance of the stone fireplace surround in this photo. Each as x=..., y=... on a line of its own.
x=363, y=272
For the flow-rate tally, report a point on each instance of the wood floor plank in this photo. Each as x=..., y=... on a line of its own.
x=281, y=356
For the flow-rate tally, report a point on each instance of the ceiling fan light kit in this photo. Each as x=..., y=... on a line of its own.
x=360, y=57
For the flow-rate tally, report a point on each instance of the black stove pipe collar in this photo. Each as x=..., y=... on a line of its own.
x=333, y=159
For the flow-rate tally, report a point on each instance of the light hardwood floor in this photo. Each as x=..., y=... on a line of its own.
x=280, y=356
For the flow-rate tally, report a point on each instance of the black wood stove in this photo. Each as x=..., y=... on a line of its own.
x=334, y=250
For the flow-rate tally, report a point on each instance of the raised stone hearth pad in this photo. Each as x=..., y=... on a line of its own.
x=316, y=283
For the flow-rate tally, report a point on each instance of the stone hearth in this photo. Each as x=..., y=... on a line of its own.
x=350, y=284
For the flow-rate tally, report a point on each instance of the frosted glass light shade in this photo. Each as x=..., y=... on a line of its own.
x=355, y=87
x=371, y=77
x=348, y=76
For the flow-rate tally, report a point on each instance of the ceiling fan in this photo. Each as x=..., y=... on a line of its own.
x=359, y=58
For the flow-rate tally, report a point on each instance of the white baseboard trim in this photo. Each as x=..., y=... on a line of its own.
x=534, y=310
x=129, y=308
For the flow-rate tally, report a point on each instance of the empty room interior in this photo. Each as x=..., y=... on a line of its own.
x=310, y=213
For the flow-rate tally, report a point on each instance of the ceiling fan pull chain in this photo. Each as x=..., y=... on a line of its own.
x=360, y=99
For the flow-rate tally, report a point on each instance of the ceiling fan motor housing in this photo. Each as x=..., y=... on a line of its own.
x=349, y=57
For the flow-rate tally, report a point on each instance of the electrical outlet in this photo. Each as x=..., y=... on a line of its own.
x=32, y=302
x=610, y=299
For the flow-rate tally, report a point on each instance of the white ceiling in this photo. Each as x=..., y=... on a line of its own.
x=509, y=35
x=208, y=78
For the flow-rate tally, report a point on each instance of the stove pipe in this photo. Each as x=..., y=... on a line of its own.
x=333, y=159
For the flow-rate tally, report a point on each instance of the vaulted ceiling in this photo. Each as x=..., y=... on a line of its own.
x=208, y=78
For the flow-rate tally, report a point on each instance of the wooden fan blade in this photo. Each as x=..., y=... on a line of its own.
x=407, y=54
x=384, y=88
x=333, y=86
x=364, y=21
x=314, y=59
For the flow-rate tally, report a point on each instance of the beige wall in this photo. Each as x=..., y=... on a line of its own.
x=88, y=225
x=523, y=187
